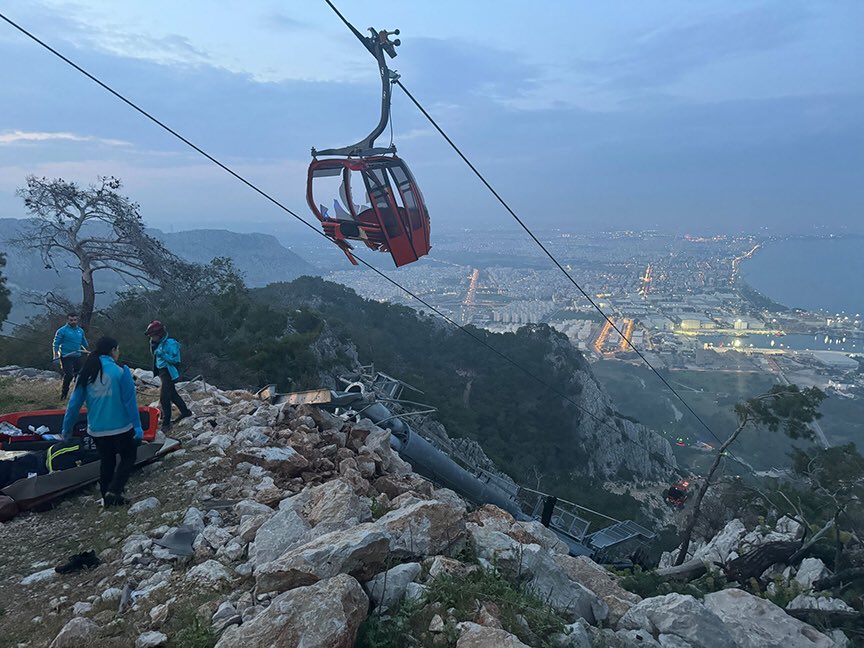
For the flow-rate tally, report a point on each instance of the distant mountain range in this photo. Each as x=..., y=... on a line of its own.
x=260, y=257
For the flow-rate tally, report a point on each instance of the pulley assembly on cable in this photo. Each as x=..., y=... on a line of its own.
x=366, y=193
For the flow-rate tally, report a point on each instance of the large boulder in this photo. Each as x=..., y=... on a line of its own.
x=724, y=543
x=151, y=639
x=361, y=551
x=254, y=436
x=585, y=571
x=754, y=622
x=395, y=485
x=330, y=506
x=281, y=532
x=472, y=635
x=386, y=460
x=388, y=588
x=809, y=571
x=424, y=527
x=78, y=633
x=211, y=574
x=492, y=517
x=489, y=518
x=680, y=616
x=532, y=532
x=324, y=615
x=495, y=548
x=315, y=511
x=550, y=583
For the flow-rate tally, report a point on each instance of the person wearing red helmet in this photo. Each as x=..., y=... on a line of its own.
x=166, y=360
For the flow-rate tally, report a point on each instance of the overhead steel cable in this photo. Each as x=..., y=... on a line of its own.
x=551, y=256
x=531, y=234
x=365, y=263
x=528, y=231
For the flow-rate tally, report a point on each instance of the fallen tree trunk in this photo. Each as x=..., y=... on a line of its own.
x=813, y=540
x=756, y=561
x=843, y=576
x=829, y=618
x=685, y=571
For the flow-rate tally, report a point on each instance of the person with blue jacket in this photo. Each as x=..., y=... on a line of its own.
x=166, y=362
x=69, y=342
x=113, y=420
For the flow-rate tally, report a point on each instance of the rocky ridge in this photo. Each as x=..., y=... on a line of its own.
x=308, y=527
x=800, y=583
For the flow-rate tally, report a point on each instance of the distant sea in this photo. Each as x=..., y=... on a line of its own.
x=816, y=274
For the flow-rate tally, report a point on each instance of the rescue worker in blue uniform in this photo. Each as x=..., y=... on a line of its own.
x=166, y=362
x=69, y=342
x=113, y=420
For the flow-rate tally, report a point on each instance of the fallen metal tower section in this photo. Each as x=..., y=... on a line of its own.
x=615, y=543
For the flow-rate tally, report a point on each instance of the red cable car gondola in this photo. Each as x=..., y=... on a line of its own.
x=678, y=493
x=364, y=193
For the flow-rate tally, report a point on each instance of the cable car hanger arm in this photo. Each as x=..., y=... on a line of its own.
x=378, y=44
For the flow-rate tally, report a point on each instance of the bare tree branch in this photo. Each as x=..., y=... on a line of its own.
x=100, y=228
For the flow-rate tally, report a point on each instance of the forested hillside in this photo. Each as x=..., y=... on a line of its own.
x=520, y=422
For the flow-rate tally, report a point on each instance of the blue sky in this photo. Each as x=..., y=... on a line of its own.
x=709, y=116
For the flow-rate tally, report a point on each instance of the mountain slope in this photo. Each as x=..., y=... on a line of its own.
x=527, y=429
x=260, y=257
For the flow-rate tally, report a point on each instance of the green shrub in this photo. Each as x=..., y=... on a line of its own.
x=379, y=509
x=647, y=583
x=186, y=629
x=520, y=611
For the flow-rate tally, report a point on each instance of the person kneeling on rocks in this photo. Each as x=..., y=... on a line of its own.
x=166, y=359
x=112, y=417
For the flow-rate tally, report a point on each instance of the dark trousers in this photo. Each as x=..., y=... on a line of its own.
x=70, y=365
x=113, y=476
x=168, y=395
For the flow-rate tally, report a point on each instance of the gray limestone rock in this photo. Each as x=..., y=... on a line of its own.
x=285, y=461
x=809, y=571
x=582, y=569
x=826, y=603
x=681, y=616
x=327, y=614
x=472, y=635
x=360, y=551
x=284, y=530
x=209, y=574
x=388, y=588
x=251, y=507
x=424, y=528
x=144, y=505
x=42, y=576
x=754, y=622
x=550, y=582
x=78, y=633
x=151, y=639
